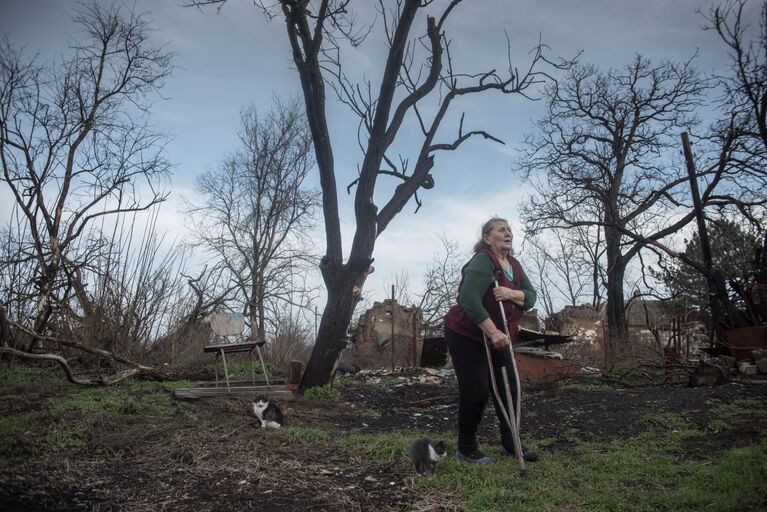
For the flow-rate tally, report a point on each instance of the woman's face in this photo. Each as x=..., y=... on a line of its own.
x=499, y=238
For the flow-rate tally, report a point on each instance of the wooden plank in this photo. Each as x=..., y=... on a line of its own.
x=278, y=392
x=244, y=381
x=232, y=347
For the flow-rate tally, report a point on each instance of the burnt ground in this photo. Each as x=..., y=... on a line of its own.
x=209, y=455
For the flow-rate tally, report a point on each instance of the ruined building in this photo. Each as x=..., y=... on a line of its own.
x=374, y=346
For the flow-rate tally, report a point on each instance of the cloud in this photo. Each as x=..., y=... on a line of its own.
x=411, y=240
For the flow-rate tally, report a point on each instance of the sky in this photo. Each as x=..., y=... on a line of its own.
x=229, y=58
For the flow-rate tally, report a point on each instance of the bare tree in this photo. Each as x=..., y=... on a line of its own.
x=563, y=267
x=133, y=290
x=745, y=86
x=601, y=158
x=75, y=146
x=440, y=285
x=401, y=283
x=255, y=211
x=413, y=71
x=539, y=266
x=292, y=338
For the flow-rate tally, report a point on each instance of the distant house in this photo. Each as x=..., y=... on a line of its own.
x=653, y=314
x=572, y=318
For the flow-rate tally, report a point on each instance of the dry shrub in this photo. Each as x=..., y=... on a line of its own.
x=293, y=341
x=584, y=353
x=183, y=348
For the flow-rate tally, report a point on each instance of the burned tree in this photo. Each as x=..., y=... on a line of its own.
x=601, y=158
x=739, y=140
x=316, y=32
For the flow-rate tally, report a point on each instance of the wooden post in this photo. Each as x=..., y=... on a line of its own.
x=415, y=342
x=295, y=370
x=392, y=328
x=713, y=295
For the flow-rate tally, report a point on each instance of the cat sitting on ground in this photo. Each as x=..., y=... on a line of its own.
x=268, y=413
x=426, y=454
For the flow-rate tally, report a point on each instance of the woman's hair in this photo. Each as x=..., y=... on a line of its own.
x=486, y=228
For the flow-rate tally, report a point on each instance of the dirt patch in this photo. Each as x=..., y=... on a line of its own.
x=210, y=455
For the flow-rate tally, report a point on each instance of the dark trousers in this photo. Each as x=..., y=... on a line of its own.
x=474, y=388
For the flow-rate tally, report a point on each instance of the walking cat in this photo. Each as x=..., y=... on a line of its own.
x=426, y=454
x=268, y=413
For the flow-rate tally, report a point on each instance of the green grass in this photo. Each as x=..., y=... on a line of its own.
x=647, y=472
x=730, y=415
x=736, y=482
x=35, y=433
x=322, y=392
x=23, y=375
x=308, y=435
x=121, y=399
x=70, y=412
x=154, y=386
x=384, y=448
x=576, y=387
x=627, y=475
x=643, y=473
x=368, y=413
x=16, y=434
x=670, y=426
x=68, y=436
x=128, y=397
x=652, y=471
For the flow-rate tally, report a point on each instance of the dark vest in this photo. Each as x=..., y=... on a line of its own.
x=459, y=322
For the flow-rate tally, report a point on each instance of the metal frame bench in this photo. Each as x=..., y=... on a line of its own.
x=228, y=348
x=226, y=324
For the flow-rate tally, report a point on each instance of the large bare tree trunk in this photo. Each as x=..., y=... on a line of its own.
x=617, y=326
x=332, y=332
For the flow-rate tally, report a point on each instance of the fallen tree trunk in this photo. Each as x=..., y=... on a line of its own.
x=135, y=369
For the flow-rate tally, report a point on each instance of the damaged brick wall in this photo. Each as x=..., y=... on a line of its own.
x=582, y=322
x=373, y=343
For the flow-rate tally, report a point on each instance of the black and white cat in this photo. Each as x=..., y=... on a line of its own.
x=426, y=454
x=268, y=413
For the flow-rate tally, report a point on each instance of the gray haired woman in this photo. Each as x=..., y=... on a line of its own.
x=476, y=316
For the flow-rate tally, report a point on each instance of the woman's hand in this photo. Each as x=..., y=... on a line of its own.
x=499, y=340
x=496, y=336
x=503, y=293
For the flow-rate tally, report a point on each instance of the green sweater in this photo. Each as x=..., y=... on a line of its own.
x=477, y=277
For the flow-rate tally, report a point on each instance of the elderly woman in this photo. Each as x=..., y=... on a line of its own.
x=478, y=313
